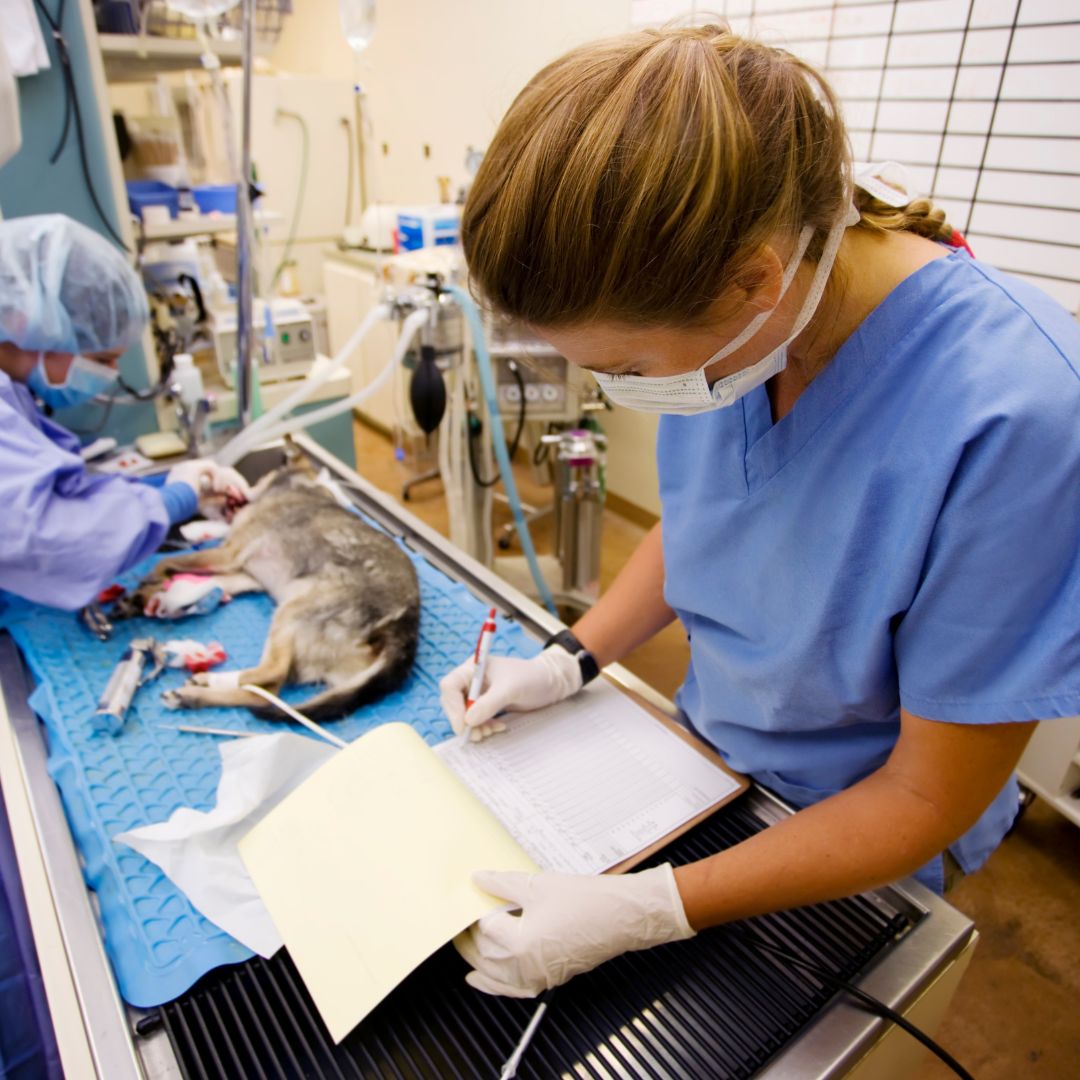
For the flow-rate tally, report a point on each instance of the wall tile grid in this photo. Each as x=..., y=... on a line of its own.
x=979, y=98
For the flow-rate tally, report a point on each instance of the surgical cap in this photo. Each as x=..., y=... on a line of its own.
x=64, y=288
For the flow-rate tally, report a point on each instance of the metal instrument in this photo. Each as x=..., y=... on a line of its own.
x=126, y=678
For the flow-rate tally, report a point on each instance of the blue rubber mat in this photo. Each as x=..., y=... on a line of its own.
x=158, y=943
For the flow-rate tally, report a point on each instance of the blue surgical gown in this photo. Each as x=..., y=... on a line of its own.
x=65, y=533
x=908, y=535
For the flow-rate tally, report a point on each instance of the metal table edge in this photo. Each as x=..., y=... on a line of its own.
x=103, y=1012
x=829, y=1047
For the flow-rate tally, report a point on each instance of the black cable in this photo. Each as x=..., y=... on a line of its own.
x=148, y=394
x=474, y=468
x=72, y=108
x=93, y=432
x=867, y=1000
x=540, y=454
x=515, y=442
x=65, y=127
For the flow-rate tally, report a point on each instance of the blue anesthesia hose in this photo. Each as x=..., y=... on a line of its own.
x=487, y=381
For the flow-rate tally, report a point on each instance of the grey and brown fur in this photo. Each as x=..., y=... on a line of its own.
x=348, y=601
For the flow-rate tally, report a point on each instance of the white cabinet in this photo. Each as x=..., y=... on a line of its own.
x=351, y=292
x=1051, y=765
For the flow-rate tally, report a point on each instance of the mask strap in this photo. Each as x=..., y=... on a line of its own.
x=45, y=371
x=755, y=324
x=776, y=360
x=95, y=367
x=888, y=181
x=824, y=268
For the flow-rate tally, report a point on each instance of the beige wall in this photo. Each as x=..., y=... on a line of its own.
x=632, y=457
x=442, y=74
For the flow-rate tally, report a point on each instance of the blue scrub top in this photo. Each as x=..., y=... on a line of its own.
x=908, y=535
x=65, y=533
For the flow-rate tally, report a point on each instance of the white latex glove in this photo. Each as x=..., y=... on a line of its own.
x=218, y=487
x=513, y=685
x=569, y=923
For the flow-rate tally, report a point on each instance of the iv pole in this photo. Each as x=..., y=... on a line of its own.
x=244, y=231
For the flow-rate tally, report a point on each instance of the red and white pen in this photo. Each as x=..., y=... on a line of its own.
x=483, y=651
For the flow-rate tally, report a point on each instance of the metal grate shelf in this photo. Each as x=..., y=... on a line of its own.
x=716, y=1006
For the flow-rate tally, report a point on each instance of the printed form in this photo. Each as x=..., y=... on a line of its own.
x=589, y=782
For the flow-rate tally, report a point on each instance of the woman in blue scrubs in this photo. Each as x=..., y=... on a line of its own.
x=69, y=306
x=869, y=467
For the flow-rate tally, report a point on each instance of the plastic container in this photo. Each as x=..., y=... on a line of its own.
x=152, y=193
x=428, y=226
x=358, y=22
x=188, y=378
x=215, y=198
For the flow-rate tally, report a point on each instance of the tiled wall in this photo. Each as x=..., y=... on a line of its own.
x=979, y=98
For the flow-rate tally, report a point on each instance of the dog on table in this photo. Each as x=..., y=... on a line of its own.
x=348, y=600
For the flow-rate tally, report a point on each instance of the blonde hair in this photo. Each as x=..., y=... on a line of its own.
x=634, y=179
x=919, y=216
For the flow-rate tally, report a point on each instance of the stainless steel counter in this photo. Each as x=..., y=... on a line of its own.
x=95, y=1029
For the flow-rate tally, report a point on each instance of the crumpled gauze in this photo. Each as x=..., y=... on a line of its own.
x=197, y=850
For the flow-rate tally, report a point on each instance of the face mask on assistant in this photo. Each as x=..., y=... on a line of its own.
x=85, y=379
x=690, y=392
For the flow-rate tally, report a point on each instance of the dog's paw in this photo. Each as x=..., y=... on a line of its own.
x=200, y=678
x=188, y=696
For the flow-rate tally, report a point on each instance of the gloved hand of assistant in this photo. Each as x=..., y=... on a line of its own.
x=220, y=489
x=568, y=924
x=511, y=685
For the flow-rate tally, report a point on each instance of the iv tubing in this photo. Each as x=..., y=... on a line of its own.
x=254, y=433
x=295, y=423
x=483, y=363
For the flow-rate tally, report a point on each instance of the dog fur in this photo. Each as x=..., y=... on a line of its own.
x=348, y=600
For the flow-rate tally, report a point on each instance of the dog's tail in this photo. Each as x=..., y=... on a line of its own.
x=394, y=645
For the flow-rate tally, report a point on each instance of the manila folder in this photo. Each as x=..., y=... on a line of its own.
x=366, y=869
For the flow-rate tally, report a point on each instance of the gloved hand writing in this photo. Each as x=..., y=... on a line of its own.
x=568, y=924
x=218, y=487
x=514, y=685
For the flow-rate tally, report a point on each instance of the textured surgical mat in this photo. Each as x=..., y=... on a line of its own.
x=158, y=943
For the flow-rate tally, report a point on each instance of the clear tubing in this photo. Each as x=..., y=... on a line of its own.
x=239, y=445
x=297, y=423
x=498, y=438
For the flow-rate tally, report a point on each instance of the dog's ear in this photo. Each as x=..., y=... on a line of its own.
x=296, y=461
x=293, y=454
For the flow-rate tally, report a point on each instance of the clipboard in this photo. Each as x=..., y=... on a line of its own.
x=702, y=748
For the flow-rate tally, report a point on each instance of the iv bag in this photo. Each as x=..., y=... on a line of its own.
x=358, y=22
x=200, y=9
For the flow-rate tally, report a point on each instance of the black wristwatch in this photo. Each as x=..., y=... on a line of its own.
x=587, y=662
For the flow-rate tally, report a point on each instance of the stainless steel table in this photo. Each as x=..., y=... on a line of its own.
x=95, y=1029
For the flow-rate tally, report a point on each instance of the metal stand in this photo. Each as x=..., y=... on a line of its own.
x=532, y=515
x=244, y=304
x=420, y=478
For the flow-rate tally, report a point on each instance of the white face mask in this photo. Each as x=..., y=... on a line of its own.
x=690, y=392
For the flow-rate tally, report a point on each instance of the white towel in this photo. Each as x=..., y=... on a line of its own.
x=20, y=35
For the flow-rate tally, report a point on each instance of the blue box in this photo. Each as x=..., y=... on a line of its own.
x=220, y=198
x=142, y=193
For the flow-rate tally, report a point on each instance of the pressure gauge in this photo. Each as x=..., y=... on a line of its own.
x=473, y=157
